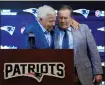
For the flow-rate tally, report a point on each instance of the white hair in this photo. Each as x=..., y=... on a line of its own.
x=43, y=11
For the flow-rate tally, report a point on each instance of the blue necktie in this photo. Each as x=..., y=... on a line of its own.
x=65, y=43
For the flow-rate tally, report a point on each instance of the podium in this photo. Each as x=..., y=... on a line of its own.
x=38, y=56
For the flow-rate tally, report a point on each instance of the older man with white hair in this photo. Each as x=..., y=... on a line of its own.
x=42, y=29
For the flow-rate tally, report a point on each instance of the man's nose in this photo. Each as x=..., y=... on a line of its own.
x=62, y=20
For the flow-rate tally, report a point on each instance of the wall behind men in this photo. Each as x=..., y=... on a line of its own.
x=19, y=14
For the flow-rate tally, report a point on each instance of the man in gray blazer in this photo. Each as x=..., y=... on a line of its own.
x=86, y=57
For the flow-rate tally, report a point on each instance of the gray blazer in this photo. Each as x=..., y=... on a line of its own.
x=86, y=56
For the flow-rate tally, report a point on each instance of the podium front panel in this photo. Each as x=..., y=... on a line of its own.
x=37, y=56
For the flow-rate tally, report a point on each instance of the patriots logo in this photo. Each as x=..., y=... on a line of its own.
x=9, y=29
x=38, y=76
x=84, y=12
x=101, y=29
x=32, y=11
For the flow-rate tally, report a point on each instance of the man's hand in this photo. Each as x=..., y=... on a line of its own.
x=75, y=24
x=98, y=78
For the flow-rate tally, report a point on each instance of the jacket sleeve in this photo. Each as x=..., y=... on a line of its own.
x=94, y=54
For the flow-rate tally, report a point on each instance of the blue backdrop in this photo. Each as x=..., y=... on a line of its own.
x=12, y=20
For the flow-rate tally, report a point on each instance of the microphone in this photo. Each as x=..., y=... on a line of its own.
x=31, y=39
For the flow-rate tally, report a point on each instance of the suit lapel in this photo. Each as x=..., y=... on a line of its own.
x=40, y=37
x=76, y=37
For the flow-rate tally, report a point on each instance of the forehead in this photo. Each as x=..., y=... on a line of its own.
x=51, y=17
x=64, y=12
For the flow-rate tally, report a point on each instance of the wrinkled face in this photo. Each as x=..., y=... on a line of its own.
x=64, y=17
x=49, y=21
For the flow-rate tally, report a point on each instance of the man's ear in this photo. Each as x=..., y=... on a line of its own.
x=40, y=19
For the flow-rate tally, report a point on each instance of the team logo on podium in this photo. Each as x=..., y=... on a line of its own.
x=34, y=70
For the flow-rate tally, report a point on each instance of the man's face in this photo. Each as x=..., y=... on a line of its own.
x=64, y=18
x=49, y=21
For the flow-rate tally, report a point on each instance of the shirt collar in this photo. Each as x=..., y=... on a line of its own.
x=43, y=29
x=69, y=29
